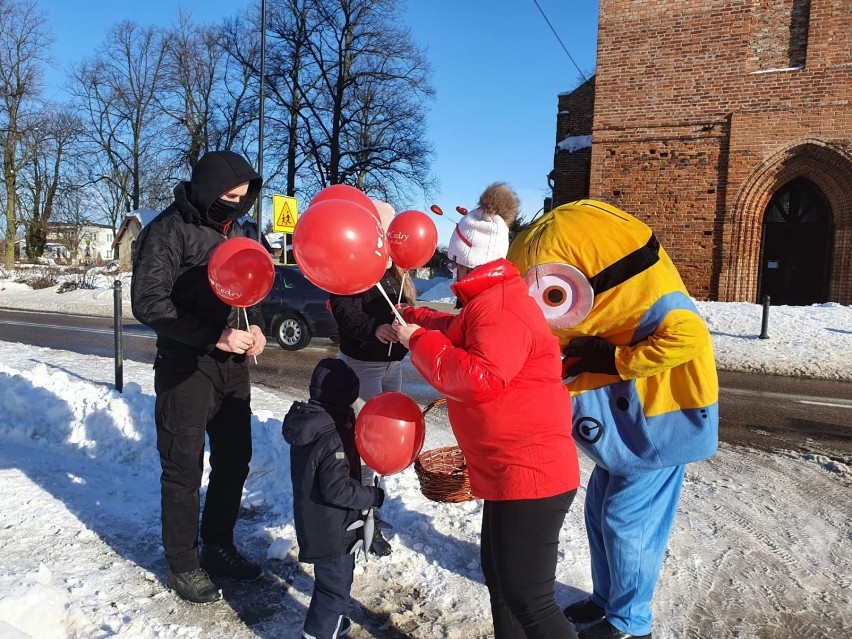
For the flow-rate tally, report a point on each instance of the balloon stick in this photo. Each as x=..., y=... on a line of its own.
x=245, y=313
x=398, y=300
x=393, y=308
x=401, y=286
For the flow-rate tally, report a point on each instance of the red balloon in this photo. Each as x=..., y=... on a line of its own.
x=240, y=271
x=348, y=193
x=412, y=238
x=340, y=247
x=389, y=432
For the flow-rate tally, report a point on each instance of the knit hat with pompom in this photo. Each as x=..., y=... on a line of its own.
x=482, y=235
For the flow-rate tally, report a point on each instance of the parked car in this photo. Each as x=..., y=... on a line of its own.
x=296, y=310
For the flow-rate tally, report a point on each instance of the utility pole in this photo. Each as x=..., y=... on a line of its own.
x=258, y=210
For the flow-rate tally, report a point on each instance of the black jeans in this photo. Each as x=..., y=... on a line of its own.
x=520, y=540
x=198, y=395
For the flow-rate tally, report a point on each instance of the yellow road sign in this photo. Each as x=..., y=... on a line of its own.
x=285, y=213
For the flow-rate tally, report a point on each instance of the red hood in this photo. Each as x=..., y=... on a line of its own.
x=482, y=278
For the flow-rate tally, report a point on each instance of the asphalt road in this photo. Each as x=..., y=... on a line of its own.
x=763, y=411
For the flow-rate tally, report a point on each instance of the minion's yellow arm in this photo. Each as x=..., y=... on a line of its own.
x=681, y=336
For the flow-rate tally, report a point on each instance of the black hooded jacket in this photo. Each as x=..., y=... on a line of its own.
x=326, y=472
x=358, y=317
x=170, y=291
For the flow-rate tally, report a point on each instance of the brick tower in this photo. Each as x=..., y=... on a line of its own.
x=727, y=127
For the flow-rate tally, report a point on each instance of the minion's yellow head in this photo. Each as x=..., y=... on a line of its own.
x=593, y=269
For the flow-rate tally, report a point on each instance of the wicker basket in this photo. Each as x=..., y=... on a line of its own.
x=443, y=475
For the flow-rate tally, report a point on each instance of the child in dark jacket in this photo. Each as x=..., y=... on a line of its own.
x=327, y=493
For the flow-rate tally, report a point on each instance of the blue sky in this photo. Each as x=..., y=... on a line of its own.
x=497, y=70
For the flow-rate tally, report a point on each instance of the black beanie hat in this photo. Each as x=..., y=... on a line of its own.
x=334, y=382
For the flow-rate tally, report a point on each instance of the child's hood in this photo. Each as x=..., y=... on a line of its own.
x=306, y=422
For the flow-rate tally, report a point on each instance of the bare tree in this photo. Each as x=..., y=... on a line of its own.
x=367, y=120
x=24, y=41
x=45, y=174
x=240, y=106
x=192, y=66
x=346, y=91
x=117, y=91
x=108, y=191
x=209, y=99
x=292, y=75
x=385, y=149
x=159, y=182
x=190, y=71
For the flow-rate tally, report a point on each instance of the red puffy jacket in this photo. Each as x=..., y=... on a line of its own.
x=499, y=367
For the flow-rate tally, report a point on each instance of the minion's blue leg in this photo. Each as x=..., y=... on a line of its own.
x=628, y=522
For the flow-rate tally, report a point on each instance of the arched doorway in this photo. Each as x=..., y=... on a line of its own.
x=795, y=260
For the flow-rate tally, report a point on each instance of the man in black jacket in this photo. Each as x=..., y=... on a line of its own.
x=201, y=376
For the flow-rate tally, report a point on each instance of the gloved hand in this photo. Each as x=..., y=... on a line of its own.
x=378, y=497
x=596, y=355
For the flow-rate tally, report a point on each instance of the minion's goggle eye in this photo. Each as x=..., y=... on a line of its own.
x=563, y=293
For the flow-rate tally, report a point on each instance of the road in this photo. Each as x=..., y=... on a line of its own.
x=763, y=411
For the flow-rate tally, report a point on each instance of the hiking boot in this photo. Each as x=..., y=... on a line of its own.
x=380, y=546
x=226, y=561
x=193, y=586
x=583, y=612
x=605, y=630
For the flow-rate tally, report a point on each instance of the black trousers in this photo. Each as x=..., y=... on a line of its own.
x=332, y=584
x=520, y=540
x=198, y=395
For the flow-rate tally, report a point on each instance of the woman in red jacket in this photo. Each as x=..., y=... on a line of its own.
x=499, y=367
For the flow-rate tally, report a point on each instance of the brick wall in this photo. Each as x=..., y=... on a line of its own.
x=702, y=110
x=571, y=169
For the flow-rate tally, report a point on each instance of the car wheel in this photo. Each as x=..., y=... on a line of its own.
x=291, y=332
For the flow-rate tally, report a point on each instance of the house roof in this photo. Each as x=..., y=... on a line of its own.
x=139, y=217
x=144, y=215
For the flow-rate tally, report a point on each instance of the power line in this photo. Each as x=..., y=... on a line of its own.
x=583, y=75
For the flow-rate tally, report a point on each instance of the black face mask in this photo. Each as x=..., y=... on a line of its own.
x=221, y=210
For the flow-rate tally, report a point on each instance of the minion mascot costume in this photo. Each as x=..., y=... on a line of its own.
x=639, y=365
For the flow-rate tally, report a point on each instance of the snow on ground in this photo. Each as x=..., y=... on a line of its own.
x=760, y=547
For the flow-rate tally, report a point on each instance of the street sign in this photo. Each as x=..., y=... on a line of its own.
x=285, y=213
